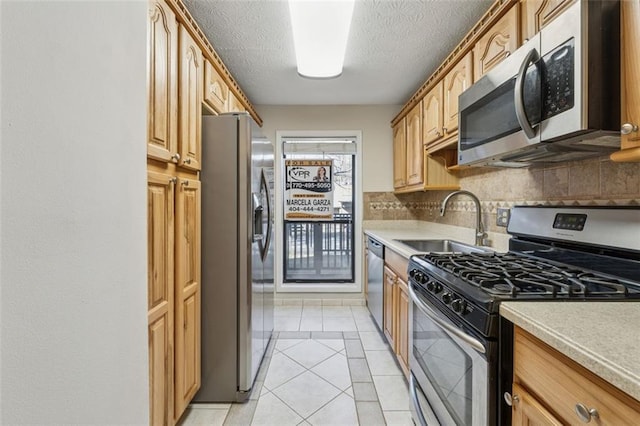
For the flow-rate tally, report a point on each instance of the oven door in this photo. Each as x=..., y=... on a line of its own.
x=451, y=379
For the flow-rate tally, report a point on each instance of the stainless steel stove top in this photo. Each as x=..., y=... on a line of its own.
x=516, y=275
x=556, y=253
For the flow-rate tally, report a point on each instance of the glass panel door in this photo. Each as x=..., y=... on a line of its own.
x=322, y=251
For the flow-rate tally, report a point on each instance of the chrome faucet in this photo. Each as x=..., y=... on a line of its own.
x=480, y=234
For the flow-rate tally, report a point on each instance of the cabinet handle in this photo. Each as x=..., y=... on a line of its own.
x=187, y=161
x=585, y=414
x=173, y=180
x=510, y=400
x=175, y=157
x=627, y=128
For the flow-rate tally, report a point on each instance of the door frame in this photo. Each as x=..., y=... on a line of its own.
x=356, y=286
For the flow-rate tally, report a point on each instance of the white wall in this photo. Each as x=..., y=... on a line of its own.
x=73, y=213
x=374, y=122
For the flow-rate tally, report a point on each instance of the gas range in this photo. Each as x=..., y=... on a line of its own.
x=544, y=262
x=460, y=349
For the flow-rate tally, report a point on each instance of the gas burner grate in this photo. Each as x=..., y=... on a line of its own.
x=515, y=275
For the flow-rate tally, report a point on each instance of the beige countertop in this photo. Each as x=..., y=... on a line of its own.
x=388, y=231
x=604, y=337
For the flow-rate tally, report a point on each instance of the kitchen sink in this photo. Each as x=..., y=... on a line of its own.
x=443, y=246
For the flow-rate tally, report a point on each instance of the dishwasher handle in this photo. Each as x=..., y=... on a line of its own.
x=375, y=247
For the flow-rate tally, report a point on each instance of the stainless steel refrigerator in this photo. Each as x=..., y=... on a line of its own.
x=237, y=255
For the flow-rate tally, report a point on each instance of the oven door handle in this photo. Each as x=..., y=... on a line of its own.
x=471, y=341
x=416, y=402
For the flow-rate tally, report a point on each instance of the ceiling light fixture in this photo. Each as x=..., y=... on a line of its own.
x=320, y=33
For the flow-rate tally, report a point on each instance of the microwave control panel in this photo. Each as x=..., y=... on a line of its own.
x=558, y=87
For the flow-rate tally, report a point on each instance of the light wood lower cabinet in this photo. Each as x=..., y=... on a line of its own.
x=402, y=338
x=389, y=313
x=527, y=410
x=396, y=306
x=173, y=289
x=187, y=293
x=551, y=389
x=160, y=295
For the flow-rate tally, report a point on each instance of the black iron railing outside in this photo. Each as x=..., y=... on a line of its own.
x=319, y=251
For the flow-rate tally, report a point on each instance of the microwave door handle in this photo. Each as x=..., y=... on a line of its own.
x=521, y=115
x=474, y=343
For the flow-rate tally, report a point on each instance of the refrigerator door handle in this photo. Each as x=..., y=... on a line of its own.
x=257, y=217
x=267, y=238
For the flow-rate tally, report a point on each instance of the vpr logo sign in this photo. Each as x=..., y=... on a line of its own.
x=299, y=174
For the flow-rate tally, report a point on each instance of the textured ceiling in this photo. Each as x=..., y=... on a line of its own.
x=394, y=45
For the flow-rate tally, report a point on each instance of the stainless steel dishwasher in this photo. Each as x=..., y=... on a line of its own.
x=375, y=270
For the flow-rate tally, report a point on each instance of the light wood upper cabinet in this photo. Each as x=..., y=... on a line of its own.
x=455, y=82
x=234, y=104
x=432, y=110
x=553, y=383
x=187, y=293
x=499, y=42
x=162, y=65
x=537, y=14
x=437, y=175
x=400, y=154
x=191, y=72
x=160, y=295
x=216, y=91
x=630, y=15
x=414, y=158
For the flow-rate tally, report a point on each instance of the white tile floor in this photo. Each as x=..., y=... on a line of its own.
x=326, y=365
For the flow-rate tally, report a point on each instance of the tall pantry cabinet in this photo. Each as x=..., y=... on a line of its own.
x=175, y=79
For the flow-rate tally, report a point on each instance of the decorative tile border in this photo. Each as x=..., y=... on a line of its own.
x=492, y=206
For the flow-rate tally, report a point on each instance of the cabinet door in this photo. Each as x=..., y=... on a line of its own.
x=527, y=411
x=162, y=65
x=536, y=14
x=432, y=115
x=630, y=10
x=190, y=101
x=160, y=297
x=415, y=169
x=389, y=295
x=400, y=154
x=402, y=338
x=455, y=82
x=234, y=104
x=562, y=385
x=499, y=42
x=187, y=293
x=216, y=91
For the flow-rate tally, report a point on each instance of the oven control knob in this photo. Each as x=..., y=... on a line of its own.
x=446, y=298
x=459, y=306
x=437, y=288
x=431, y=286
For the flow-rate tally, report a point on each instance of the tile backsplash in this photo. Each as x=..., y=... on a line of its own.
x=589, y=182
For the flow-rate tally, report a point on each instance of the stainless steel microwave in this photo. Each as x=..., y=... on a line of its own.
x=556, y=98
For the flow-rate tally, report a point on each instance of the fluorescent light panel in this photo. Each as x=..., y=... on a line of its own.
x=320, y=33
